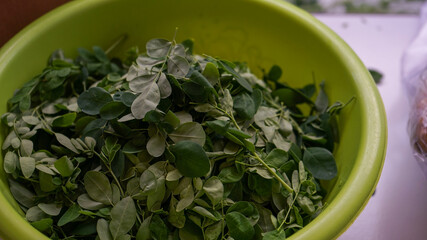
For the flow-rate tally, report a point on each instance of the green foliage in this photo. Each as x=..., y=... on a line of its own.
x=167, y=145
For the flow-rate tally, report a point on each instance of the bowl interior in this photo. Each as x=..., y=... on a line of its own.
x=261, y=33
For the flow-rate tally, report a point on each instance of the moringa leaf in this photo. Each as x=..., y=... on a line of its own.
x=98, y=187
x=191, y=159
x=123, y=217
x=190, y=131
x=320, y=162
x=92, y=100
x=146, y=101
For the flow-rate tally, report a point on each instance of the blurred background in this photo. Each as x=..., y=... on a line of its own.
x=379, y=31
x=360, y=6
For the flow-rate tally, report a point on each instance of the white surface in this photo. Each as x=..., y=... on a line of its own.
x=398, y=210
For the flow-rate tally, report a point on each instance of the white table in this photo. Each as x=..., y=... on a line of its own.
x=398, y=210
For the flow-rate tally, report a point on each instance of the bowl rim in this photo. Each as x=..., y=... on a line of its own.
x=352, y=197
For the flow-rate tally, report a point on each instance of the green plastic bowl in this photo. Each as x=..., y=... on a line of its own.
x=261, y=32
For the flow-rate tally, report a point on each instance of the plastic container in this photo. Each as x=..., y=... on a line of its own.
x=262, y=32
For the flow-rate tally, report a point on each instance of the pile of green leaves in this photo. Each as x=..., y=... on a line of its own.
x=167, y=145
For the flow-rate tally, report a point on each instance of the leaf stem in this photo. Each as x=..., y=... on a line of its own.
x=288, y=212
x=286, y=186
x=122, y=193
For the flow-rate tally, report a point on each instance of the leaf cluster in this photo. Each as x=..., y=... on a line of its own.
x=167, y=145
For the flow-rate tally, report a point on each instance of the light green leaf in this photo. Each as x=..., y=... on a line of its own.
x=11, y=161
x=154, y=200
x=35, y=214
x=31, y=120
x=28, y=165
x=177, y=219
x=146, y=101
x=178, y=66
x=165, y=87
x=98, y=187
x=87, y=203
x=148, y=182
x=103, y=230
x=26, y=147
x=123, y=216
x=173, y=175
x=191, y=131
x=186, y=198
x=158, y=48
x=52, y=209
x=66, y=142
x=156, y=145
x=214, y=190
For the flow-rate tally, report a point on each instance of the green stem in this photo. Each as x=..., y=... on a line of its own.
x=122, y=193
x=286, y=186
x=288, y=212
x=229, y=116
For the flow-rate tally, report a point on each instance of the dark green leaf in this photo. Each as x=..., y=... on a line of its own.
x=275, y=73
x=22, y=194
x=230, y=175
x=158, y=228
x=198, y=78
x=191, y=159
x=211, y=73
x=92, y=100
x=376, y=75
x=244, y=106
x=70, y=215
x=243, y=82
x=247, y=209
x=112, y=110
x=276, y=158
x=320, y=162
x=43, y=225
x=219, y=126
x=274, y=235
x=239, y=226
x=322, y=100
